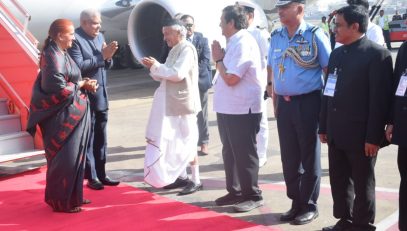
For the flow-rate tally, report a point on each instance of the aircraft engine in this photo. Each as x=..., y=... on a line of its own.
x=144, y=28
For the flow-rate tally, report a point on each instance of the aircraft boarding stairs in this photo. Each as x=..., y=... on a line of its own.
x=18, y=71
x=14, y=143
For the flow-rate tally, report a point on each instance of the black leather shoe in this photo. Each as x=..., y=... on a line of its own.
x=305, y=218
x=95, y=184
x=109, y=182
x=334, y=228
x=290, y=214
x=178, y=183
x=190, y=188
x=341, y=225
x=228, y=199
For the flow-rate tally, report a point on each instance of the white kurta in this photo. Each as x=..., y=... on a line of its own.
x=172, y=140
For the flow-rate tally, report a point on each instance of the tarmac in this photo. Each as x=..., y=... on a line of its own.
x=130, y=97
x=131, y=94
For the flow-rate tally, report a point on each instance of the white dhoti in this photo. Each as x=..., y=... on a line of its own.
x=171, y=143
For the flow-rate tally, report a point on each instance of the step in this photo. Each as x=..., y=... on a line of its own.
x=3, y=106
x=16, y=142
x=20, y=155
x=9, y=124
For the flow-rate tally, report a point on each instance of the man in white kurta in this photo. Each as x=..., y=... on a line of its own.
x=172, y=131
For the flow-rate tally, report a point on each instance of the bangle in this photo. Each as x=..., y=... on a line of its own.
x=269, y=83
x=217, y=61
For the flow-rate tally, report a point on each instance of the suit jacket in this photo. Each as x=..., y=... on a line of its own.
x=358, y=111
x=204, y=54
x=399, y=111
x=86, y=51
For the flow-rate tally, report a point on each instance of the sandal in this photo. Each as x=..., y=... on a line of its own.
x=74, y=210
x=86, y=201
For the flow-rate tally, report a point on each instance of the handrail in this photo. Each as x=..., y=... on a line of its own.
x=24, y=12
x=23, y=27
x=375, y=8
x=16, y=99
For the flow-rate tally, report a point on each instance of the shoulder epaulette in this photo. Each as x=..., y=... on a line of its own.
x=274, y=32
x=314, y=28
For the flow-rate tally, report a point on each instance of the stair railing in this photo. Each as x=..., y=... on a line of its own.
x=20, y=30
x=16, y=102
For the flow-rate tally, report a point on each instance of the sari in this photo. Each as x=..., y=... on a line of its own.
x=60, y=109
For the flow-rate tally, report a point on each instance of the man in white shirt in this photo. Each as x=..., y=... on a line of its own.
x=263, y=41
x=383, y=22
x=172, y=131
x=237, y=102
x=373, y=32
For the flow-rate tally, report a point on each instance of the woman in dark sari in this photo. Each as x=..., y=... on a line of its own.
x=59, y=105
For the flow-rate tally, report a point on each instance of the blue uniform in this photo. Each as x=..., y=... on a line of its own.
x=296, y=80
x=297, y=65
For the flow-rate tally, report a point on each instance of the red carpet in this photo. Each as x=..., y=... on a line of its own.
x=115, y=208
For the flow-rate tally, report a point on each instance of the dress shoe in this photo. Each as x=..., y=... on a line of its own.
x=290, y=214
x=204, y=150
x=305, y=218
x=109, y=182
x=190, y=188
x=341, y=225
x=178, y=183
x=246, y=206
x=228, y=199
x=95, y=184
x=334, y=228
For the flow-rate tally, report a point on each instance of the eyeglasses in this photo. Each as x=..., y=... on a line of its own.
x=189, y=25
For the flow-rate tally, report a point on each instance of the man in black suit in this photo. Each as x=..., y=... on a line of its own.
x=205, y=79
x=94, y=57
x=359, y=72
x=396, y=131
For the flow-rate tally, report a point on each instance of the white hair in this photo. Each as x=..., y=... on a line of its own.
x=182, y=30
x=178, y=27
x=89, y=14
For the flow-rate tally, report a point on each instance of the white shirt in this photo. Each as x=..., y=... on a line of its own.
x=263, y=41
x=242, y=58
x=373, y=33
x=381, y=21
x=191, y=38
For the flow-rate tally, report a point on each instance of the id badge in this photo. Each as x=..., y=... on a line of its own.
x=401, y=88
x=330, y=85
